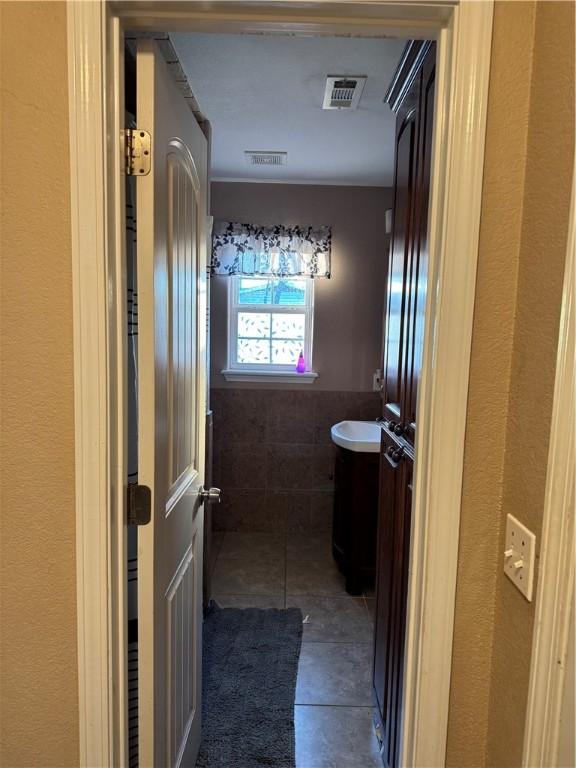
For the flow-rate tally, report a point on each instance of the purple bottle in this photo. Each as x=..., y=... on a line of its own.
x=301, y=364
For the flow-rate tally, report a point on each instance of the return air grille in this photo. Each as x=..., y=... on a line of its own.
x=266, y=158
x=343, y=91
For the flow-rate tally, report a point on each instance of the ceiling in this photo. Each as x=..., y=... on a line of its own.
x=265, y=92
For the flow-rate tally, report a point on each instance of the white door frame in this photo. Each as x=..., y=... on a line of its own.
x=95, y=87
x=463, y=31
x=555, y=594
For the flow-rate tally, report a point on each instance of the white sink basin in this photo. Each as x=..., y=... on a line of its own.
x=358, y=436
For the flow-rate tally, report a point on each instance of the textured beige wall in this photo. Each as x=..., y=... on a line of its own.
x=550, y=153
x=529, y=151
x=516, y=316
x=38, y=683
x=347, y=308
x=500, y=232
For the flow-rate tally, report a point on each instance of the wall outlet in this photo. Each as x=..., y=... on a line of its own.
x=519, y=556
x=376, y=380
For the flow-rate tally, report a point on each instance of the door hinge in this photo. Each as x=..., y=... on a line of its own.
x=137, y=147
x=138, y=504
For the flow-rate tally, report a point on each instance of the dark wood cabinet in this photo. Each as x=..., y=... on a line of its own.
x=411, y=96
x=396, y=466
x=393, y=368
x=355, y=517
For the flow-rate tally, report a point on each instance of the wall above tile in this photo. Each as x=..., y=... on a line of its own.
x=349, y=307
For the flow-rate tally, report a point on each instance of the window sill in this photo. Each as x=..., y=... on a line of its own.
x=280, y=377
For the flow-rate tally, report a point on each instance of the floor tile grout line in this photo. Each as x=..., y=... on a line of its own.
x=213, y=570
x=337, y=706
x=367, y=608
x=326, y=596
x=337, y=642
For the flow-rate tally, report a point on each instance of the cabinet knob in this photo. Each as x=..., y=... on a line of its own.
x=394, y=455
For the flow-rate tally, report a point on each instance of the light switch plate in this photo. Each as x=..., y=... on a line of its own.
x=519, y=555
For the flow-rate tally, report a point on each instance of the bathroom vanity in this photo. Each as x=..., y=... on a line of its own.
x=355, y=517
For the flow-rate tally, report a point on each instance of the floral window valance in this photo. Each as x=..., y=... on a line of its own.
x=277, y=251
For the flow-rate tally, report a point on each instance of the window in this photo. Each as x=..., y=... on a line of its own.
x=270, y=323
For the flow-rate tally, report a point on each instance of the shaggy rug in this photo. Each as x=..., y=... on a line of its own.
x=250, y=663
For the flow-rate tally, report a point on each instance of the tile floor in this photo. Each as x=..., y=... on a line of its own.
x=333, y=692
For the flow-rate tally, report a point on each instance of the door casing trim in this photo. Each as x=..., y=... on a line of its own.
x=463, y=31
x=97, y=203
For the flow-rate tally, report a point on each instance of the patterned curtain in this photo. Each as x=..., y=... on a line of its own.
x=246, y=249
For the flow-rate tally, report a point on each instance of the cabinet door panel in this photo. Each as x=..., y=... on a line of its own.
x=341, y=503
x=392, y=368
x=392, y=582
x=389, y=489
x=402, y=525
x=418, y=271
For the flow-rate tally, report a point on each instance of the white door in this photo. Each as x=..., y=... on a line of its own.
x=171, y=245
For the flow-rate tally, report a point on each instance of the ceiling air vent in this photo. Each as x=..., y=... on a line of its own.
x=343, y=91
x=266, y=158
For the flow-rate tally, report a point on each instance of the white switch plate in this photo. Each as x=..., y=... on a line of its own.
x=519, y=554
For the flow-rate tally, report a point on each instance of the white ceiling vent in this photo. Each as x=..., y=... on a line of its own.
x=343, y=91
x=266, y=158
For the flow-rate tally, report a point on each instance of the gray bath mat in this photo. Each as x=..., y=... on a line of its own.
x=249, y=682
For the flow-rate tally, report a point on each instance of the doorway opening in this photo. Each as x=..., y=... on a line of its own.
x=462, y=33
x=320, y=154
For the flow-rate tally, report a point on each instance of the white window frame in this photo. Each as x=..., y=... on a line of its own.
x=236, y=371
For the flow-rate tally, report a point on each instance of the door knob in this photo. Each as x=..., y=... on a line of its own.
x=211, y=495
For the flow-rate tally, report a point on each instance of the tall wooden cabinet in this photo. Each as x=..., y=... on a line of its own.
x=411, y=97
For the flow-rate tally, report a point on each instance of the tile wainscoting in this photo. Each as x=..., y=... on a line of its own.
x=273, y=456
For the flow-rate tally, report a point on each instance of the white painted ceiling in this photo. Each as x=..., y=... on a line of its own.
x=264, y=92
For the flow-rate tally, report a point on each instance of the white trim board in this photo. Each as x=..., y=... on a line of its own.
x=89, y=250
x=555, y=594
x=260, y=377
x=463, y=33
x=99, y=339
